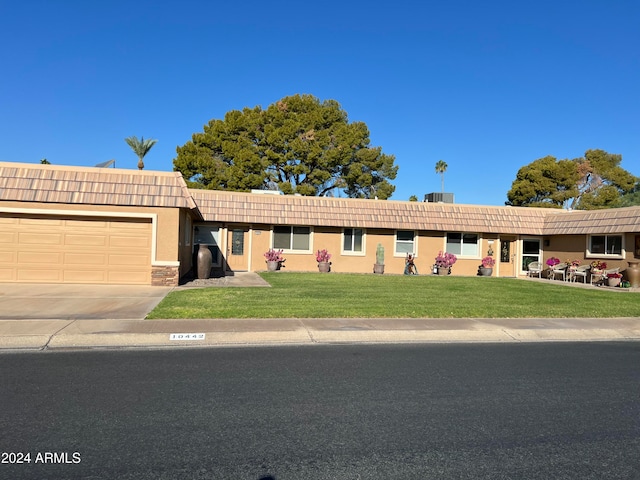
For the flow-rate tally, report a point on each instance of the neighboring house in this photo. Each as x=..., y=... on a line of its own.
x=97, y=225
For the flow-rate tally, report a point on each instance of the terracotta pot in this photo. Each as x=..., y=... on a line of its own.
x=378, y=268
x=443, y=271
x=633, y=273
x=204, y=262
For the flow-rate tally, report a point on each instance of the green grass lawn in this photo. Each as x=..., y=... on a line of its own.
x=307, y=295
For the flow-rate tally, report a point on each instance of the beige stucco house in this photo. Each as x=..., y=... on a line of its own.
x=99, y=225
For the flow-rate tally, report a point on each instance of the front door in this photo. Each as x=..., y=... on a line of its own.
x=507, y=256
x=237, y=254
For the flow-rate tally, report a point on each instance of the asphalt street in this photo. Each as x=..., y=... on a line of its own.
x=490, y=411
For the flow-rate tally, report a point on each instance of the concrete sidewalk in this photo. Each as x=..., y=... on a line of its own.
x=121, y=333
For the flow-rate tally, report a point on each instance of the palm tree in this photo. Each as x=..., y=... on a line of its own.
x=441, y=167
x=140, y=148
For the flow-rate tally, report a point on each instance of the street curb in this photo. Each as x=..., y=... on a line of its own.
x=176, y=333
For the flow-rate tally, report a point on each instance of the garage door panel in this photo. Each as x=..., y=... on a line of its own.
x=129, y=278
x=8, y=257
x=129, y=241
x=8, y=237
x=85, y=225
x=85, y=276
x=43, y=275
x=130, y=225
x=41, y=222
x=7, y=274
x=40, y=258
x=85, y=259
x=28, y=238
x=75, y=250
x=128, y=260
x=87, y=240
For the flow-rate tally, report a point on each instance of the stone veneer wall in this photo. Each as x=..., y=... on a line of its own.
x=165, y=276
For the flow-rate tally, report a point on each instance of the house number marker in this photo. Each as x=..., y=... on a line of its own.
x=186, y=336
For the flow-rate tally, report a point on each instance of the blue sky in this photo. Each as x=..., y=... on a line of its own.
x=488, y=87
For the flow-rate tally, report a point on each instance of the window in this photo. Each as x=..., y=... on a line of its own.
x=605, y=245
x=405, y=242
x=463, y=244
x=187, y=231
x=352, y=240
x=530, y=252
x=292, y=238
x=207, y=235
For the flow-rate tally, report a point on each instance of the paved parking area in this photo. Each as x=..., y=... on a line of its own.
x=70, y=302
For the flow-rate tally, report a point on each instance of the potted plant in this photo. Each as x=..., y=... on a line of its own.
x=322, y=257
x=444, y=262
x=378, y=267
x=274, y=259
x=597, y=267
x=573, y=264
x=552, y=262
x=613, y=279
x=486, y=269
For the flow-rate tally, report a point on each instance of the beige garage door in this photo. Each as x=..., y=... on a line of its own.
x=57, y=249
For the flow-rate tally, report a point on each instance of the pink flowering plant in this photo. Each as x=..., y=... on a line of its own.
x=574, y=263
x=322, y=256
x=274, y=255
x=445, y=260
x=553, y=261
x=614, y=275
x=488, y=262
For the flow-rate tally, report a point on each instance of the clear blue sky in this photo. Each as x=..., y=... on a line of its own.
x=486, y=86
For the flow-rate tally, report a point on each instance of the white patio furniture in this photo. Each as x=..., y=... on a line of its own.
x=534, y=269
x=559, y=270
x=580, y=272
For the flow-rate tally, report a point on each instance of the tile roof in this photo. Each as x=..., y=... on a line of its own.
x=92, y=185
x=109, y=186
x=610, y=220
x=239, y=207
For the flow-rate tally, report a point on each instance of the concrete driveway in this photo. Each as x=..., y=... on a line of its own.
x=73, y=302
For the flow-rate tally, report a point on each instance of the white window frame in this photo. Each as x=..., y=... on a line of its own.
x=291, y=250
x=357, y=253
x=477, y=253
x=613, y=256
x=538, y=256
x=414, y=244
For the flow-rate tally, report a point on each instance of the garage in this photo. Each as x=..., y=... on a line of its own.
x=75, y=249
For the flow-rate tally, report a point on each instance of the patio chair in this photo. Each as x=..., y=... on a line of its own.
x=581, y=272
x=559, y=269
x=599, y=278
x=535, y=269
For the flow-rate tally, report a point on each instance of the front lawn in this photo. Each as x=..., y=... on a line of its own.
x=308, y=295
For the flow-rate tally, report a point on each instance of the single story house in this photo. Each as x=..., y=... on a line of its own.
x=62, y=224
